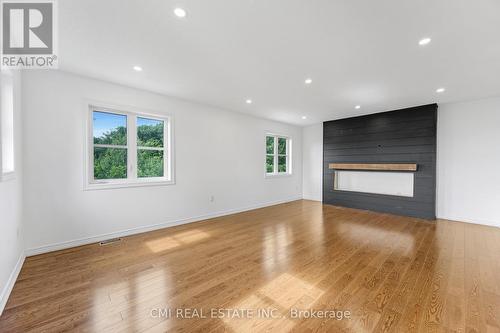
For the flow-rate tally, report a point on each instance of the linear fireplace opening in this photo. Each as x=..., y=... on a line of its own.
x=375, y=182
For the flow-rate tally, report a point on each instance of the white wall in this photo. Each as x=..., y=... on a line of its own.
x=11, y=228
x=312, y=163
x=217, y=152
x=468, y=183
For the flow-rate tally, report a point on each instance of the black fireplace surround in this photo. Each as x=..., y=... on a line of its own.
x=401, y=136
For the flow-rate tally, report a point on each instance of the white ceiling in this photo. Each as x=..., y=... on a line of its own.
x=225, y=51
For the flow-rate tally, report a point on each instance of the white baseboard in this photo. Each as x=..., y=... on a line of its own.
x=469, y=220
x=312, y=198
x=128, y=232
x=4, y=296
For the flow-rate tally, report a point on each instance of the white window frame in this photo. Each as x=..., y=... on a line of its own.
x=288, y=155
x=11, y=174
x=132, y=180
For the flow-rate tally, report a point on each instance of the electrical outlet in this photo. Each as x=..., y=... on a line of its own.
x=211, y=198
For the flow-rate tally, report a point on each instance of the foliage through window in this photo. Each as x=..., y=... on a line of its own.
x=128, y=148
x=277, y=155
x=110, y=145
x=149, y=147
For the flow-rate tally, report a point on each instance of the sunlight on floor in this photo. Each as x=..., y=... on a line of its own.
x=162, y=244
x=271, y=304
x=286, y=290
x=266, y=317
x=170, y=242
x=105, y=311
x=274, y=249
x=146, y=290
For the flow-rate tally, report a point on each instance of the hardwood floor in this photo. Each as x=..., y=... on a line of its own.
x=391, y=273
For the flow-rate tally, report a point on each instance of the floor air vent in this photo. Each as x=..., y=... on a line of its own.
x=110, y=241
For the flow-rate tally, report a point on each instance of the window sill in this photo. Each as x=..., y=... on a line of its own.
x=116, y=185
x=278, y=175
x=8, y=176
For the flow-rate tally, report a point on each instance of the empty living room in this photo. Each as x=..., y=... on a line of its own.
x=250, y=166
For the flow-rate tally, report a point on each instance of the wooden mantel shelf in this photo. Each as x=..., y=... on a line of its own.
x=374, y=166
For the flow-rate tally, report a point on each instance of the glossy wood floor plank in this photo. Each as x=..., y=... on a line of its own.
x=394, y=274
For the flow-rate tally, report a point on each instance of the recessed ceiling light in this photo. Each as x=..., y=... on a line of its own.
x=424, y=41
x=308, y=81
x=138, y=68
x=179, y=12
x=440, y=90
x=248, y=101
x=304, y=117
x=357, y=107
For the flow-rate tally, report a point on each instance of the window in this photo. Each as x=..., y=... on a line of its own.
x=278, y=161
x=128, y=149
x=7, y=125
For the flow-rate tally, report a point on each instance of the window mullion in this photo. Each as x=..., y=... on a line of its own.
x=99, y=145
x=150, y=148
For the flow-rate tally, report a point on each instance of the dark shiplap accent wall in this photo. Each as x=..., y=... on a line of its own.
x=402, y=136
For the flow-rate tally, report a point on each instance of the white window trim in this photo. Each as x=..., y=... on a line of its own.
x=9, y=175
x=276, y=174
x=132, y=113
